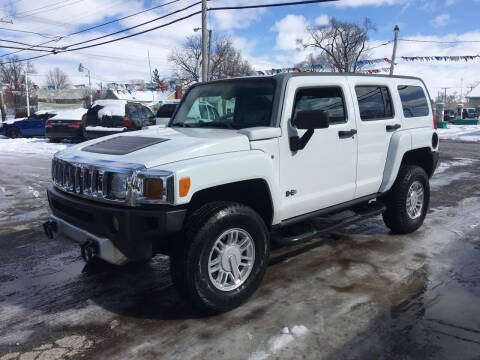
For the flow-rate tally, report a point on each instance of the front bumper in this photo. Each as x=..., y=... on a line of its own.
x=135, y=232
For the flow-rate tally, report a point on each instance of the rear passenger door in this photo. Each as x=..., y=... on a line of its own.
x=377, y=121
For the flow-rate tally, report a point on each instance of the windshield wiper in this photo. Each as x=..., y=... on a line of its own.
x=218, y=124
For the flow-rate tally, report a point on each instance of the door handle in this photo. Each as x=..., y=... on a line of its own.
x=393, y=127
x=347, y=134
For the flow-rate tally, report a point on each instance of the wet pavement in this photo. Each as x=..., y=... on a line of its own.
x=358, y=293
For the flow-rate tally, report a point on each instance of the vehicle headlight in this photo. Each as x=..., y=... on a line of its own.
x=118, y=186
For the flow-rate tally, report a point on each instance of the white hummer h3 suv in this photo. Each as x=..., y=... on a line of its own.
x=244, y=162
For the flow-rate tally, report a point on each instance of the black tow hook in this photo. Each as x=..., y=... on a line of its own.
x=89, y=250
x=49, y=227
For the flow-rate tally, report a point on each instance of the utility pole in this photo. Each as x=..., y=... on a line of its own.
x=149, y=65
x=445, y=93
x=26, y=87
x=204, y=40
x=209, y=53
x=2, y=104
x=461, y=90
x=392, y=65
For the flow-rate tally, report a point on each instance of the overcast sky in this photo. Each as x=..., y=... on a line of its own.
x=266, y=37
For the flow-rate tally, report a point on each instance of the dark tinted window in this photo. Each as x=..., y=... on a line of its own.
x=234, y=104
x=374, y=102
x=414, y=102
x=166, y=111
x=329, y=99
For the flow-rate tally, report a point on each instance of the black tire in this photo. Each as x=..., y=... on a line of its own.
x=189, y=259
x=13, y=132
x=397, y=217
x=54, y=140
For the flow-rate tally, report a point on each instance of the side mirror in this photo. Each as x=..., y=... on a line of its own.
x=311, y=119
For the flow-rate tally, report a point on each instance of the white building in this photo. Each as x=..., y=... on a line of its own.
x=473, y=97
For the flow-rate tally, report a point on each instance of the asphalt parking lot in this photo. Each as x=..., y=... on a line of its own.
x=358, y=293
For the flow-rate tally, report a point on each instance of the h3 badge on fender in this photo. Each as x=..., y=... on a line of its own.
x=290, y=192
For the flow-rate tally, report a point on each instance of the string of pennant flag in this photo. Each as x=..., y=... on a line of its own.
x=174, y=84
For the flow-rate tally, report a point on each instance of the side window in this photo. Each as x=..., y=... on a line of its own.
x=374, y=102
x=329, y=99
x=414, y=101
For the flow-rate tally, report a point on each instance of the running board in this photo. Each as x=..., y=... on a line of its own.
x=314, y=228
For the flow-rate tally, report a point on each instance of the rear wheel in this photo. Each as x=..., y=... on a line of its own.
x=222, y=257
x=13, y=132
x=407, y=202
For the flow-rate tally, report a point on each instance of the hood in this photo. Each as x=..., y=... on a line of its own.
x=160, y=145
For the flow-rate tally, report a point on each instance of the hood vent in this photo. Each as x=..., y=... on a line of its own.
x=122, y=145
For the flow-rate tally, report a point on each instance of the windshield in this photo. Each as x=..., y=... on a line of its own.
x=234, y=104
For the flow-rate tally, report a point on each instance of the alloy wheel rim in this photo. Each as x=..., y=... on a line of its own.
x=231, y=259
x=415, y=199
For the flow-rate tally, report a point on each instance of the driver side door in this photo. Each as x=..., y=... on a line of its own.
x=322, y=174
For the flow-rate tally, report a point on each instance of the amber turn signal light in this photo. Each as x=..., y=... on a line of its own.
x=154, y=189
x=184, y=186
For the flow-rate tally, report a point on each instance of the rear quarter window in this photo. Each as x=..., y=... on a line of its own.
x=414, y=101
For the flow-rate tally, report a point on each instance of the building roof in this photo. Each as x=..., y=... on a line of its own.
x=141, y=96
x=475, y=93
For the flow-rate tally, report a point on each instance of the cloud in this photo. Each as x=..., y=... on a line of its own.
x=450, y=2
x=322, y=20
x=441, y=20
x=358, y=3
x=289, y=29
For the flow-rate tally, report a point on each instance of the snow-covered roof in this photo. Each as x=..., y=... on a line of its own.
x=142, y=96
x=75, y=114
x=475, y=93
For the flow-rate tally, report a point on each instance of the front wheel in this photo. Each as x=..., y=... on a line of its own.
x=13, y=132
x=222, y=258
x=407, y=202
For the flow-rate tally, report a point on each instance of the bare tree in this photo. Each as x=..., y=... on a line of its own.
x=188, y=58
x=12, y=74
x=58, y=78
x=12, y=71
x=225, y=59
x=341, y=44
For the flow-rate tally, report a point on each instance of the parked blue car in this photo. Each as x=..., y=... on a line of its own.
x=34, y=125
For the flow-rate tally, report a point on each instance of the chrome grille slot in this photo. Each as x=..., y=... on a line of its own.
x=92, y=180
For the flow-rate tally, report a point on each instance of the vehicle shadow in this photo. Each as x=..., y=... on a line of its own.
x=62, y=283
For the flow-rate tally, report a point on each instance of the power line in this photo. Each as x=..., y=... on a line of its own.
x=22, y=43
x=133, y=27
x=28, y=32
x=54, y=8
x=441, y=42
x=41, y=7
x=268, y=5
x=64, y=48
x=93, y=27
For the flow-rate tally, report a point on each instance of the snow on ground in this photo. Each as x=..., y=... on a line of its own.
x=461, y=132
x=31, y=146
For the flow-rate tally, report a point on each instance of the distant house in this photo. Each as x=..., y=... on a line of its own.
x=49, y=99
x=474, y=97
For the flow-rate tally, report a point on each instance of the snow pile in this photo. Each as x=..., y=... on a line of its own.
x=74, y=114
x=30, y=146
x=460, y=133
x=102, y=128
